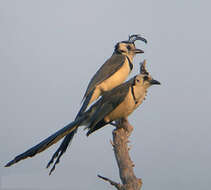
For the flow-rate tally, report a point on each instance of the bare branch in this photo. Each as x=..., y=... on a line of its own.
x=117, y=185
x=121, y=150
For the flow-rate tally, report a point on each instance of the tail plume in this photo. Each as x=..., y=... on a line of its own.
x=61, y=150
x=46, y=143
x=68, y=139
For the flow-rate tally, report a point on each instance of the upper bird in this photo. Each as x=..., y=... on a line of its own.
x=114, y=71
x=111, y=74
x=115, y=104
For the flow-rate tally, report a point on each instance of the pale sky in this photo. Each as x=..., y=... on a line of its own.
x=50, y=49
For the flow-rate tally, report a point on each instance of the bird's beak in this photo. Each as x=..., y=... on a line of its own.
x=136, y=51
x=154, y=82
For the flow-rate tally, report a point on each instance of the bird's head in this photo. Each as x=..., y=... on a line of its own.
x=128, y=47
x=144, y=79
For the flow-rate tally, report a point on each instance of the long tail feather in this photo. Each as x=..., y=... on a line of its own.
x=68, y=139
x=46, y=143
x=61, y=150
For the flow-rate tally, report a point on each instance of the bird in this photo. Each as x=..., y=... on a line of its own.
x=112, y=73
x=113, y=105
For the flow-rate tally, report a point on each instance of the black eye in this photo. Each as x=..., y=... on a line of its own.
x=146, y=78
x=128, y=47
x=137, y=80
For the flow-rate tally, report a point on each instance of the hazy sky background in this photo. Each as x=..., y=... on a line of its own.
x=49, y=50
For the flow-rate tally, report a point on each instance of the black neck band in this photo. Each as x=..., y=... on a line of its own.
x=130, y=63
x=133, y=94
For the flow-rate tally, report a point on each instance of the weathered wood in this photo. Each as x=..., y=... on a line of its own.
x=121, y=150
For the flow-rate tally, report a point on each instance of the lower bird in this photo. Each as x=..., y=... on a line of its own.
x=115, y=104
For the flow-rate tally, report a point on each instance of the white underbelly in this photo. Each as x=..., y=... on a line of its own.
x=123, y=110
x=113, y=81
x=116, y=79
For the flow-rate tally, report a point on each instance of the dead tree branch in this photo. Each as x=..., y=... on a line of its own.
x=121, y=150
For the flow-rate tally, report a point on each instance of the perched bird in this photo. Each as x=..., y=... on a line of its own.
x=111, y=74
x=115, y=104
x=114, y=71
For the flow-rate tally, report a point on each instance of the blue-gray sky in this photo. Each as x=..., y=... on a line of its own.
x=50, y=49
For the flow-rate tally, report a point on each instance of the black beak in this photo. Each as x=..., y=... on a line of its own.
x=154, y=82
x=136, y=51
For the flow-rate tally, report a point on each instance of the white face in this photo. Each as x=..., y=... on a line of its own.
x=140, y=85
x=145, y=81
x=126, y=48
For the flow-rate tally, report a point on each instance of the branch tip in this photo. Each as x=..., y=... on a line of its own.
x=117, y=185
